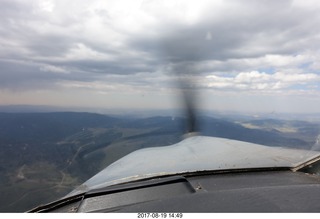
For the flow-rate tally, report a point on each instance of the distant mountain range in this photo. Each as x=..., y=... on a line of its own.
x=45, y=155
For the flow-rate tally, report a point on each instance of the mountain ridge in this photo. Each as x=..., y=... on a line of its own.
x=43, y=156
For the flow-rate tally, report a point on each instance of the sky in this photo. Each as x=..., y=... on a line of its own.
x=250, y=56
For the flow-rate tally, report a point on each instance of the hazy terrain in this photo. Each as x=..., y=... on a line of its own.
x=45, y=155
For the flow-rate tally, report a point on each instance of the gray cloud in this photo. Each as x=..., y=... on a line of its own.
x=242, y=31
x=47, y=44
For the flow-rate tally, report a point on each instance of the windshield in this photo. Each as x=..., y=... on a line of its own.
x=85, y=83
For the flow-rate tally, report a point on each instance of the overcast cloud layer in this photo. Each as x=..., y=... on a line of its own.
x=241, y=55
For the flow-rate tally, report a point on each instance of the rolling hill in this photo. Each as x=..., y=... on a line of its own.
x=45, y=155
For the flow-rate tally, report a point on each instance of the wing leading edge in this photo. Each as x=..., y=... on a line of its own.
x=194, y=154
